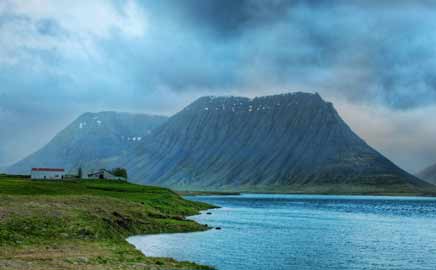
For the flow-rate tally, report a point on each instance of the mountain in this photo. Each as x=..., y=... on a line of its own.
x=293, y=142
x=92, y=138
x=3, y=158
x=429, y=174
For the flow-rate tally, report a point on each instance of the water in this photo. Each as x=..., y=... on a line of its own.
x=261, y=232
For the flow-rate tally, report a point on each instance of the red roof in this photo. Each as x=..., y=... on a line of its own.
x=47, y=170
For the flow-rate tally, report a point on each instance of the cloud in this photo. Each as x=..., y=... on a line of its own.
x=67, y=29
x=368, y=51
x=407, y=137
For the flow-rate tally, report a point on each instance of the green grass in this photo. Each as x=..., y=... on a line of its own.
x=60, y=224
x=153, y=198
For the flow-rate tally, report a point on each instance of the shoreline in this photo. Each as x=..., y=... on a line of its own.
x=85, y=225
x=205, y=226
x=208, y=228
x=393, y=195
x=207, y=193
x=328, y=193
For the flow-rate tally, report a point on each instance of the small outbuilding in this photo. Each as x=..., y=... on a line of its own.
x=47, y=173
x=105, y=174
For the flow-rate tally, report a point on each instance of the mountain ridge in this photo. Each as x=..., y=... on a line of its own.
x=428, y=174
x=293, y=140
x=91, y=139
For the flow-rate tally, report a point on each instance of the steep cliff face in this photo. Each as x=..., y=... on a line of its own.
x=291, y=142
x=429, y=174
x=91, y=139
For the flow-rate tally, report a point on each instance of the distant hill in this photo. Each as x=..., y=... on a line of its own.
x=293, y=142
x=91, y=139
x=429, y=174
x=3, y=158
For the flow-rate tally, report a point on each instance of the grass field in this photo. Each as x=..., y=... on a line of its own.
x=83, y=224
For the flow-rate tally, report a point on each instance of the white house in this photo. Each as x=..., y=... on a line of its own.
x=47, y=173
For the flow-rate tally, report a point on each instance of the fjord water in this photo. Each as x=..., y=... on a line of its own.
x=306, y=232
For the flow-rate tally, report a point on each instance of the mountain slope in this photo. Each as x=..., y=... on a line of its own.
x=90, y=139
x=292, y=142
x=429, y=174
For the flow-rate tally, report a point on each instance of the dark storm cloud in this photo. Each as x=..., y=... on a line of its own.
x=368, y=51
x=229, y=18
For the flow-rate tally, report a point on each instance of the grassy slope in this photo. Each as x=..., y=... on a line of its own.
x=83, y=225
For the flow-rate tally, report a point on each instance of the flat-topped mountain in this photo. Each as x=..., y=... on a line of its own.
x=429, y=174
x=293, y=142
x=91, y=139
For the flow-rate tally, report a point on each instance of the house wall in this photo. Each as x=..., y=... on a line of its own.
x=109, y=176
x=47, y=175
x=85, y=175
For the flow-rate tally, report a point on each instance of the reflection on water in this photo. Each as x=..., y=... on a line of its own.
x=307, y=232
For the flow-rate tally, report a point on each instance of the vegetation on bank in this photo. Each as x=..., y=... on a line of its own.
x=207, y=193
x=84, y=224
x=375, y=189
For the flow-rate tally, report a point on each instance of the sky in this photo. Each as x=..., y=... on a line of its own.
x=375, y=60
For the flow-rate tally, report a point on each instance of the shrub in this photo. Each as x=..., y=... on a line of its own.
x=120, y=172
